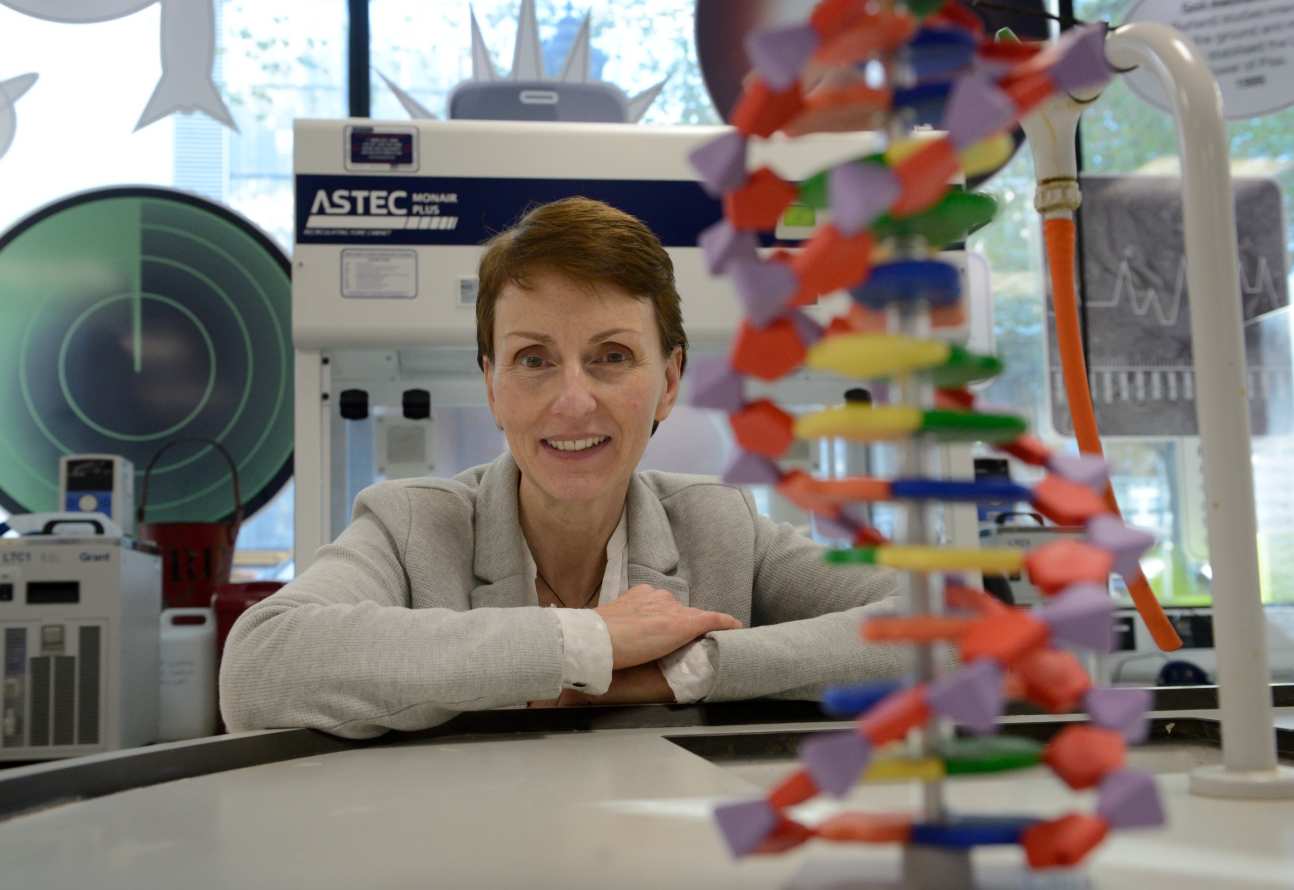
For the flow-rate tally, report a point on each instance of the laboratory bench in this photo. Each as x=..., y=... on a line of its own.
x=575, y=798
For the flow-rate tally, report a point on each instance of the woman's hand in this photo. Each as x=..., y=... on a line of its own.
x=646, y=623
x=631, y=686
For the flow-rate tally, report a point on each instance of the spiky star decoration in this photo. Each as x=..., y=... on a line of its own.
x=528, y=74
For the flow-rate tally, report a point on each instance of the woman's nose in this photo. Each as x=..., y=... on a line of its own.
x=576, y=396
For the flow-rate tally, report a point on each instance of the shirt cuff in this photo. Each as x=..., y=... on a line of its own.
x=690, y=671
x=586, y=651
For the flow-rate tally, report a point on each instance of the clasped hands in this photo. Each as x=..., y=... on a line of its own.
x=645, y=624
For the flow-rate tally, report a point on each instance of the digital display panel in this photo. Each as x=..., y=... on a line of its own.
x=45, y=593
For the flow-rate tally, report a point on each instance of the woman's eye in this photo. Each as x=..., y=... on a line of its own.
x=615, y=356
x=531, y=361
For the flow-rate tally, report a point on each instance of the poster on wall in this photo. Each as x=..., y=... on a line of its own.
x=529, y=93
x=1249, y=45
x=1137, y=308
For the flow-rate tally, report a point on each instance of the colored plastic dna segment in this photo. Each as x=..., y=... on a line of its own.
x=975, y=91
x=952, y=219
x=879, y=423
x=999, y=641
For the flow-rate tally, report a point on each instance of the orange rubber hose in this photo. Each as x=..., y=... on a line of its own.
x=1060, y=238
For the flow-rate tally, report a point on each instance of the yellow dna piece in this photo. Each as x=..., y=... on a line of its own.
x=862, y=423
x=984, y=156
x=988, y=155
x=905, y=769
x=876, y=355
x=995, y=561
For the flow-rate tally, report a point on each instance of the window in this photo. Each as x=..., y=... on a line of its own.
x=1156, y=477
x=425, y=49
x=283, y=59
x=76, y=125
x=276, y=61
x=1161, y=473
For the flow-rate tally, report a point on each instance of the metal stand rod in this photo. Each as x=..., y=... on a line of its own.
x=928, y=868
x=918, y=529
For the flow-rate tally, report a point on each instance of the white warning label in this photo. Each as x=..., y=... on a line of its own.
x=378, y=273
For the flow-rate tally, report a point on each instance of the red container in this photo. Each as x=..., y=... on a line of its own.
x=196, y=556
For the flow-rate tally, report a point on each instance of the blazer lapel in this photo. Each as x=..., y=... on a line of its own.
x=505, y=594
x=653, y=556
x=500, y=552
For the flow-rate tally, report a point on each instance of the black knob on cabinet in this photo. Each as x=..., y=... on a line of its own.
x=353, y=404
x=416, y=404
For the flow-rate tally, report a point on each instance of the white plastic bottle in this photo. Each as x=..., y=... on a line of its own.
x=187, y=708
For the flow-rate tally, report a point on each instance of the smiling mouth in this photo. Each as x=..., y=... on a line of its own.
x=576, y=446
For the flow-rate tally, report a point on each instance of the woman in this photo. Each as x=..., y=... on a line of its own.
x=555, y=574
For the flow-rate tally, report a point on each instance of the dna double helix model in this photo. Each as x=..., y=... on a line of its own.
x=891, y=68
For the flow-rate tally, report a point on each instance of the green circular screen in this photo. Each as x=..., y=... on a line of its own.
x=130, y=317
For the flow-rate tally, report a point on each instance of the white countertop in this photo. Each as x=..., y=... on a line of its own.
x=611, y=808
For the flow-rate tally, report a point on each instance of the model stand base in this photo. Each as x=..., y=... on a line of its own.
x=935, y=867
x=1263, y=784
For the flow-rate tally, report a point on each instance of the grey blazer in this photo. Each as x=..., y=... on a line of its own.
x=423, y=608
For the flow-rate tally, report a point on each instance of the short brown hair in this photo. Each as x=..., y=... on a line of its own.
x=591, y=243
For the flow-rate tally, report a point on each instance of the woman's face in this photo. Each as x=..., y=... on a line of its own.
x=577, y=380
